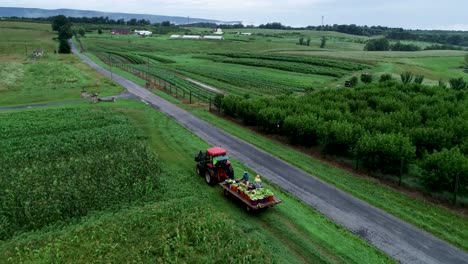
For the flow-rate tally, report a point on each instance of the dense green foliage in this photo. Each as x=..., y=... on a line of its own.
x=441, y=169
x=366, y=78
x=404, y=47
x=64, y=46
x=406, y=77
x=458, y=83
x=88, y=160
x=378, y=125
x=385, y=77
x=172, y=231
x=381, y=44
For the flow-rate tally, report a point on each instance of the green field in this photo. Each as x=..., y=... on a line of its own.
x=80, y=189
x=25, y=80
x=209, y=228
x=190, y=60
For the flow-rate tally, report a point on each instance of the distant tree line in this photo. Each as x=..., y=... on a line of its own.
x=383, y=44
x=88, y=20
x=443, y=37
x=459, y=38
x=214, y=25
x=274, y=25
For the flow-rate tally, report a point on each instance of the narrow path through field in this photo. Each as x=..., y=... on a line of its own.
x=397, y=238
x=207, y=87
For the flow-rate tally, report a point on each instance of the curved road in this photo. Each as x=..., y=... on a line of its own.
x=400, y=240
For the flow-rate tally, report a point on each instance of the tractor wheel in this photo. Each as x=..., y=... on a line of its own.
x=209, y=177
x=199, y=171
x=230, y=172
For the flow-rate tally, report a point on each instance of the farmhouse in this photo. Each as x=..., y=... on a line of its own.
x=214, y=37
x=121, y=31
x=218, y=31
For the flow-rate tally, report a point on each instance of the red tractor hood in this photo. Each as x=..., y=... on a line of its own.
x=216, y=151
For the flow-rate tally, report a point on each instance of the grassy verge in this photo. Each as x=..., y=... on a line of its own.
x=190, y=221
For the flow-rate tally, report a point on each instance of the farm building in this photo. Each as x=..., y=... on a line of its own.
x=245, y=33
x=175, y=36
x=218, y=31
x=143, y=33
x=214, y=37
x=121, y=31
x=191, y=37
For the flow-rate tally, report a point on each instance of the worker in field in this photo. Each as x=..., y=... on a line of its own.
x=258, y=182
x=245, y=178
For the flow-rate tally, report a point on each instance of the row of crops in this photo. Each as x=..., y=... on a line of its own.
x=315, y=66
x=183, y=86
x=332, y=63
x=132, y=58
x=64, y=163
x=285, y=66
x=258, y=82
x=380, y=126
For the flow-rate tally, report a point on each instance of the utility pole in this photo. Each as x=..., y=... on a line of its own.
x=322, y=21
x=188, y=20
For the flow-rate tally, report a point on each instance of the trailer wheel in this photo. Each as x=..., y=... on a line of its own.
x=209, y=177
x=227, y=194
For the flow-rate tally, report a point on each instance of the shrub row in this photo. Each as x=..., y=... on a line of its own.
x=378, y=124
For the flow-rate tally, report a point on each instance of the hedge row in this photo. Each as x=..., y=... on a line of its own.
x=379, y=125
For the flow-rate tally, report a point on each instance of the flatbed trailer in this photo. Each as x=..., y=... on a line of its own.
x=229, y=193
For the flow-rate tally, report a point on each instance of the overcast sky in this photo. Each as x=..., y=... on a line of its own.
x=424, y=14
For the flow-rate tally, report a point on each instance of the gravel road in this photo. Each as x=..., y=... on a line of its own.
x=400, y=240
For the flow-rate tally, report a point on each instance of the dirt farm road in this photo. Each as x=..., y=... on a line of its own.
x=400, y=240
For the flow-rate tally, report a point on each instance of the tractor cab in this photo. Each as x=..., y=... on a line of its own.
x=214, y=164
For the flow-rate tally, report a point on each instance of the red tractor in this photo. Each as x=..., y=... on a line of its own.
x=214, y=164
